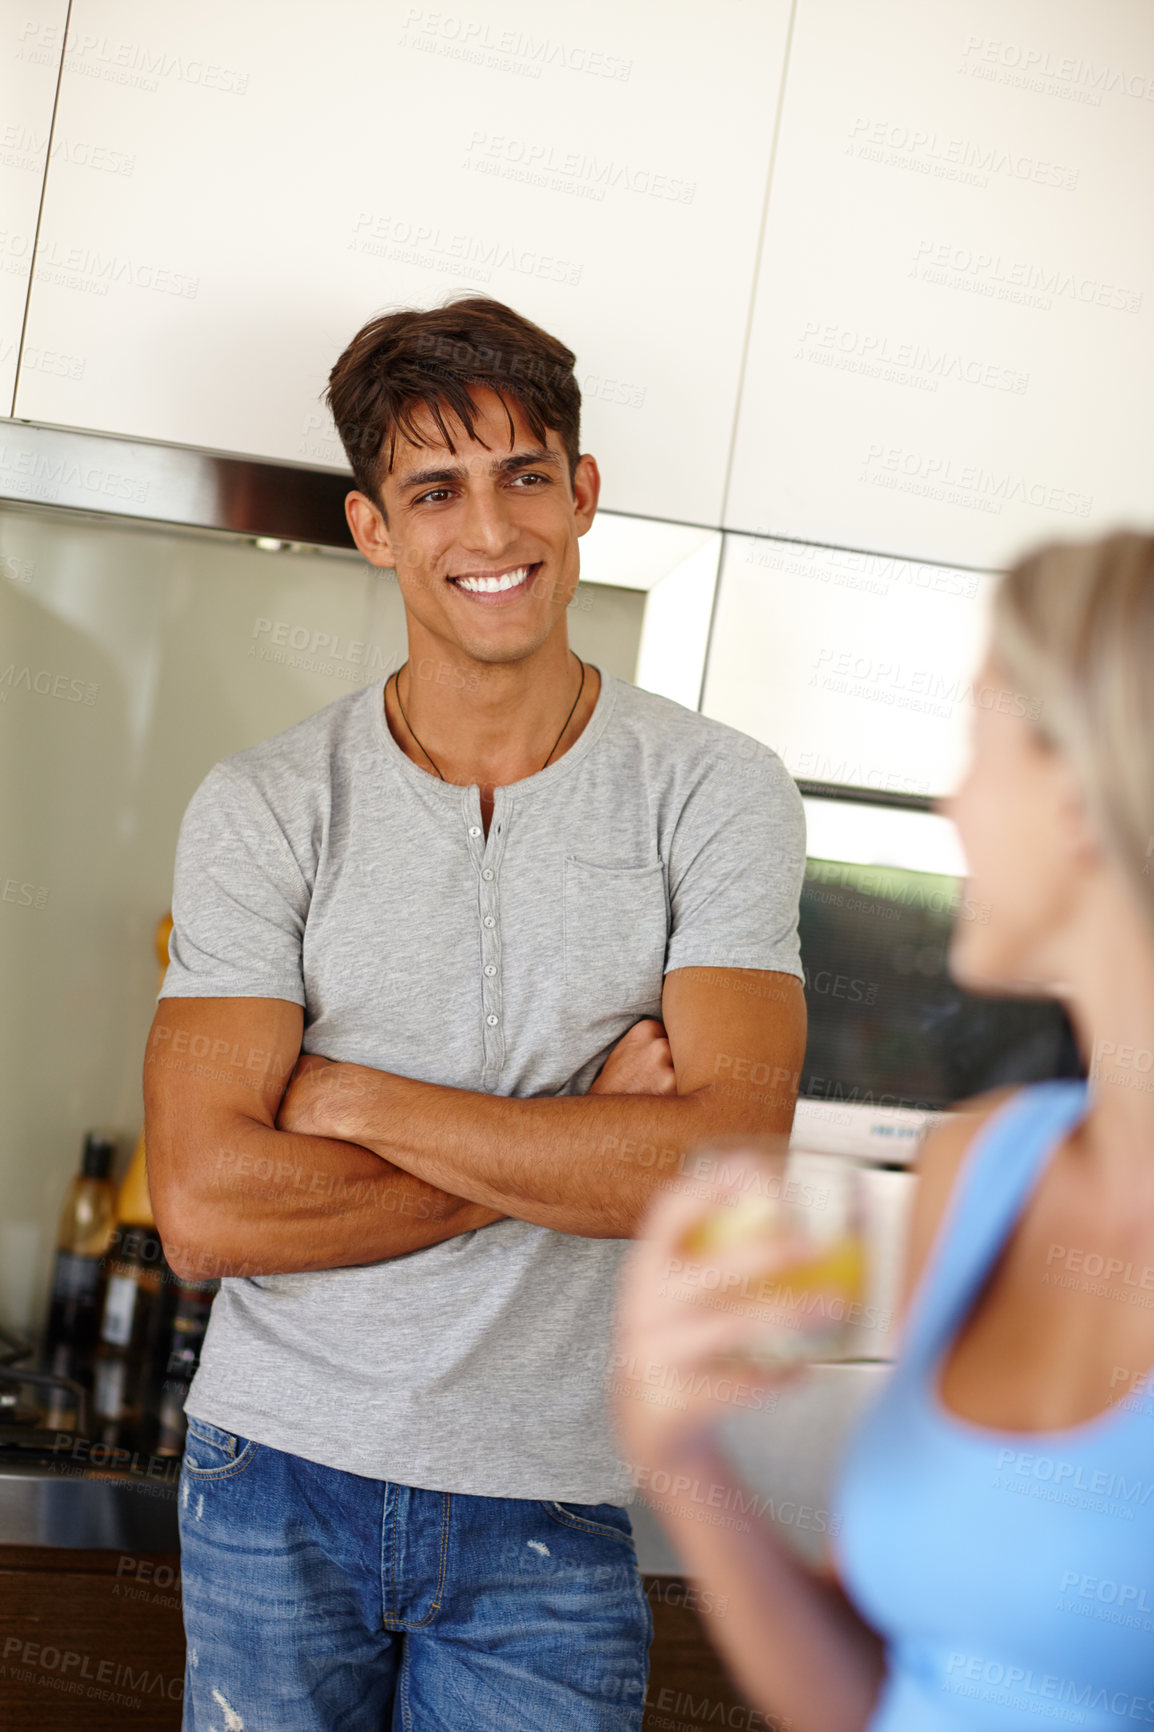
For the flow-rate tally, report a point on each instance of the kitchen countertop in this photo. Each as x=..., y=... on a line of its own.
x=70, y=1503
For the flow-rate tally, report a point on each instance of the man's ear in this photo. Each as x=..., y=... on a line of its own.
x=586, y=491
x=369, y=530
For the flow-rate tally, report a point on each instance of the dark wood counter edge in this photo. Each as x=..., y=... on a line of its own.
x=95, y=1561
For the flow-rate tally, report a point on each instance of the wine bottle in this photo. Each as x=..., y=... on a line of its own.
x=179, y=1342
x=139, y=1300
x=193, y=1305
x=87, y=1223
x=134, y=1204
x=132, y=1326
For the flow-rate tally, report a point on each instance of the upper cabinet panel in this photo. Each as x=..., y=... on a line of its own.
x=952, y=351
x=858, y=668
x=31, y=43
x=293, y=170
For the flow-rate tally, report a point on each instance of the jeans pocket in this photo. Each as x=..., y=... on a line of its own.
x=210, y=1453
x=610, y=1520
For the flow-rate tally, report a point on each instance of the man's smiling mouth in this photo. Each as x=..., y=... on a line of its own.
x=496, y=582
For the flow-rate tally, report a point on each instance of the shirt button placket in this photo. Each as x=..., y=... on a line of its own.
x=488, y=854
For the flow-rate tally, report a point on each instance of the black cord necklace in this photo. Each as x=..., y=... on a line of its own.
x=556, y=743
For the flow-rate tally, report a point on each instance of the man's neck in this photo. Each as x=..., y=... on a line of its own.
x=447, y=729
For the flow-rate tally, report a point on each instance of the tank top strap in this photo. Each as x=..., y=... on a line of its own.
x=996, y=1175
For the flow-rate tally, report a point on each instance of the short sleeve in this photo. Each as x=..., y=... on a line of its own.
x=239, y=899
x=736, y=865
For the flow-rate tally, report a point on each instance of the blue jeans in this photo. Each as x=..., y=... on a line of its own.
x=320, y=1601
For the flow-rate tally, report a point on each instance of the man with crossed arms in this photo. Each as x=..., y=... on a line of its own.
x=477, y=952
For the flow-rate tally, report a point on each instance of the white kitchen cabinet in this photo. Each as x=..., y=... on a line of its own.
x=297, y=169
x=857, y=668
x=952, y=349
x=31, y=44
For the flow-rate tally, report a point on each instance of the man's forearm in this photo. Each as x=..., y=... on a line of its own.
x=269, y=1202
x=584, y=1164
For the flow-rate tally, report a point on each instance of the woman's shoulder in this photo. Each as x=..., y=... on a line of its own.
x=938, y=1164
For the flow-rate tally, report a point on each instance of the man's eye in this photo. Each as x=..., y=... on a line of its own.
x=437, y=493
x=531, y=475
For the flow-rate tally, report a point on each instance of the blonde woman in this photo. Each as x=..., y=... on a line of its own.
x=995, y=1564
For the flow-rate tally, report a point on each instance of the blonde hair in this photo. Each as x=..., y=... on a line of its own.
x=1073, y=627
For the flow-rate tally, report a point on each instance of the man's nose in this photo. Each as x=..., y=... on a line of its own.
x=487, y=525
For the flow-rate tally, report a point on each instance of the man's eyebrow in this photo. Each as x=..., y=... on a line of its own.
x=499, y=466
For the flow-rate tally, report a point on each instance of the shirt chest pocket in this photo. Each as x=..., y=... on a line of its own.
x=616, y=927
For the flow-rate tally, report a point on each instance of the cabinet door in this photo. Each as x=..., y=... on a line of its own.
x=296, y=169
x=31, y=44
x=857, y=668
x=952, y=350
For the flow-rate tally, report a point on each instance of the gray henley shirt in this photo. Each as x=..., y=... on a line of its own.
x=324, y=867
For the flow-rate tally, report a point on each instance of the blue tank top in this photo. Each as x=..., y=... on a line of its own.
x=1011, y=1574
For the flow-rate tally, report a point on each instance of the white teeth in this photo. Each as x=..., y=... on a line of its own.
x=490, y=585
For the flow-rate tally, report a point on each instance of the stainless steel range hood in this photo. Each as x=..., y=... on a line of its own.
x=172, y=484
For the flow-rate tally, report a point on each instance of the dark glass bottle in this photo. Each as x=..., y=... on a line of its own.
x=138, y=1307
x=174, y=1372
x=87, y=1225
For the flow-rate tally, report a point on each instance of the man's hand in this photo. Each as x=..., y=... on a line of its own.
x=318, y=1095
x=640, y=1064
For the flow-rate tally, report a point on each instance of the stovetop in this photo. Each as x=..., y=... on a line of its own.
x=62, y=1487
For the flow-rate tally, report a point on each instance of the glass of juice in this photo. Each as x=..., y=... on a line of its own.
x=811, y=1304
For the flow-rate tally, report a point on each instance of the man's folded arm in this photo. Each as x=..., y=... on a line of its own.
x=586, y=1164
x=232, y=1194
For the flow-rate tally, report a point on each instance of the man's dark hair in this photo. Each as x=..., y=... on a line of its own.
x=399, y=362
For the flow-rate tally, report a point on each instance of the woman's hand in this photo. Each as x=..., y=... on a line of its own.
x=681, y=1319
x=640, y=1064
